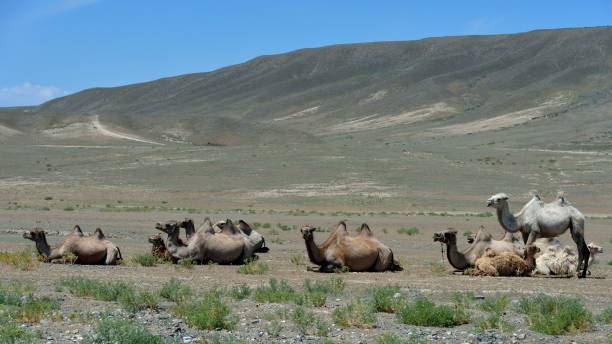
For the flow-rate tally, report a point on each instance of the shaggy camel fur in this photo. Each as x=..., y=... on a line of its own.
x=94, y=249
x=159, y=250
x=540, y=220
x=359, y=253
x=555, y=258
x=462, y=260
x=501, y=264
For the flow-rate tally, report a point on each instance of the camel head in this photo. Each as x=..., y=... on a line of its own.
x=307, y=232
x=446, y=236
x=36, y=234
x=489, y=252
x=531, y=250
x=170, y=227
x=594, y=248
x=497, y=201
x=156, y=239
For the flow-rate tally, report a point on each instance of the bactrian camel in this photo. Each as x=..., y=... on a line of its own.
x=359, y=253
x=462, y=260
x=544, y=220
x=226, y=247
x=94, y=249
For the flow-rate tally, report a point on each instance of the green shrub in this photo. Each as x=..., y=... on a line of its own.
x=253, y=267
x=132, y=300
x=121, y=331
x=610, y=262
x=273, y=328
x=240, y=292
x=390, y=338
x=26, y=308
x=355, y=314
x=175, y=291
x=382, y=299
x=408, y=231
x=315, y=293
x=10, y=333
x=208, y=314
x=298, y=260
x=606, y=316
x=309, y=323
x=555, y=315
x=423, y=312
x=24, y=260
x=146, y=259
x=276, y=292
x=222, y=339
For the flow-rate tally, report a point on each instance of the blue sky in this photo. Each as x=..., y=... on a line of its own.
x=50, y=48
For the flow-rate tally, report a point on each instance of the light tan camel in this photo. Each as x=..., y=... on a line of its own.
x=226, y=247
x=359, y=253
x=544, y=220
x=462, y=260
x=494, y=264
x=93, y=249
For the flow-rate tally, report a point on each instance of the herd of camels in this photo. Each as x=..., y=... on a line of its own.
x=227, y=243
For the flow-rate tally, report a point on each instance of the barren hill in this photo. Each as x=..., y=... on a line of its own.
x=557, y=81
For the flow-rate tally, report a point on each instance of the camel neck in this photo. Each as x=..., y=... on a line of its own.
x=456, y=258
x=314, y=252
x=507, y=220
x=43, y=247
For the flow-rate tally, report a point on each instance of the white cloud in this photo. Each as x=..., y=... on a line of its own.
x=481, y=26
x=28, y=94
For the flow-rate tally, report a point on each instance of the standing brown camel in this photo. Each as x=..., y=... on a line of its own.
x=359, y=253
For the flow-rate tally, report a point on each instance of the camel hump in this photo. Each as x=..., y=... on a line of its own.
x=77, y=230
x=366, y=231
x=228, y=227
x=483, y=235
x=561, y=198
x=99, y=234
x=341, y=227
x=243, y=226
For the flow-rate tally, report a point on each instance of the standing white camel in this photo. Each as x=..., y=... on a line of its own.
x=540, y=220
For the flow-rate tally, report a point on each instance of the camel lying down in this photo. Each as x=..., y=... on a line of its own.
x=494, y=263
x=229, y=245
x=93, y=250
x=359, y=253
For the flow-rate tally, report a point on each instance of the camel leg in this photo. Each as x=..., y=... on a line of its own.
x=111, y=256
x=329, y=268
x=583, y=250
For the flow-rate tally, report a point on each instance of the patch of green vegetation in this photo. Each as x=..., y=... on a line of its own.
x=10, y=333
x=146, y=259
x=175, y=291
x=354, y=314
x=610, y=262
x=253, y=267
x=186, y=263
x=121, y=331
x=315, y=293
x=207, y=314
x=273, y=328
x=467, y=233
x=24, y=260
x=555, y=315
x=240, y=292
x=217, y=338
x=383, y=299
x=309, y=323
x=408, y=230
x=284, y=228
x=423, y=312
x=26, y=308
x=495, y=306
x=438, y=269
x=276, y=292
x=298, y=260
x=69, y=209
x=390, y=338
x=605, y=316
x=132, y=300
